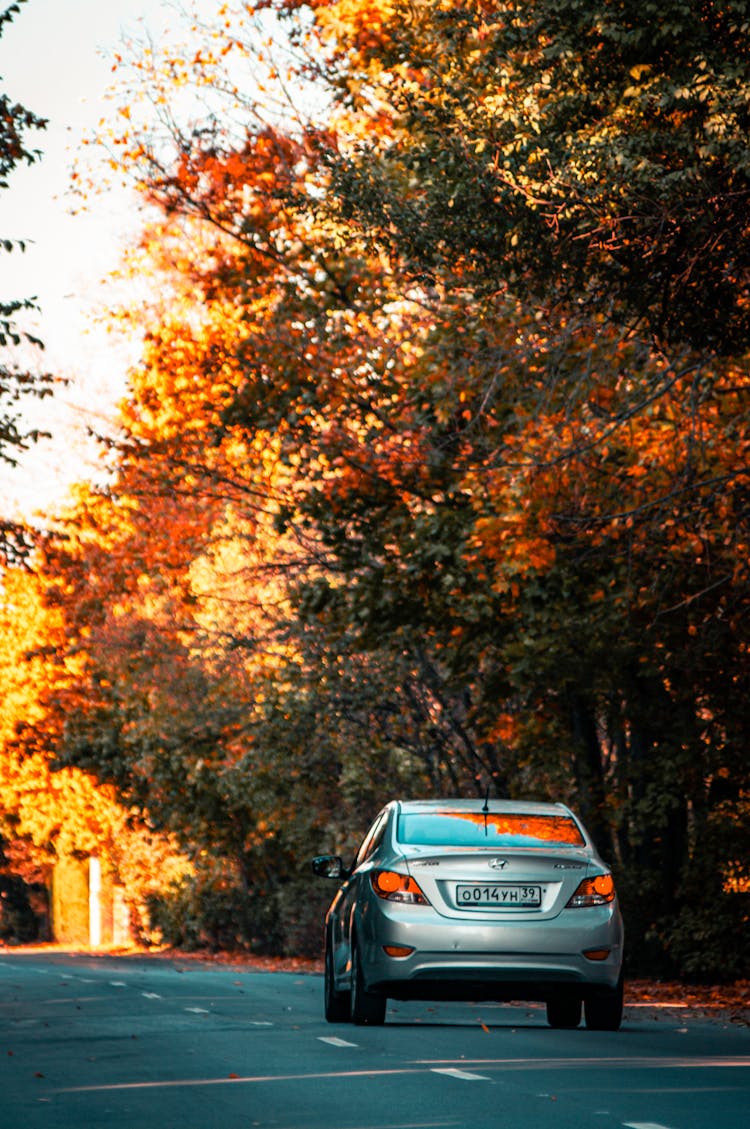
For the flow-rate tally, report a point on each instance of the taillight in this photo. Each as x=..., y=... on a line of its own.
x=399, y=951
x=595, y=891
x=395, y=887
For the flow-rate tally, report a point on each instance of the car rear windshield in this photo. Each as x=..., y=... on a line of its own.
x=447, y=828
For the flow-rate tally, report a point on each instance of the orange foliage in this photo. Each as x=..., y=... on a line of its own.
x=46, y=811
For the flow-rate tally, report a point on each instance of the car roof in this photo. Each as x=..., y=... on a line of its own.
x=518, y=807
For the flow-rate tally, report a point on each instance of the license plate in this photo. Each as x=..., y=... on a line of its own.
x=499, y=895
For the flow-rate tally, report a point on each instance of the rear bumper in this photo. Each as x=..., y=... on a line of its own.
x=520, y=978
x=508, y=960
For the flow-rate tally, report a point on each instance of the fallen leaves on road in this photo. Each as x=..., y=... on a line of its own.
x=729, y=1002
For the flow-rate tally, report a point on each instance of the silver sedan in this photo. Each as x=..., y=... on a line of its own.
x=472, y=899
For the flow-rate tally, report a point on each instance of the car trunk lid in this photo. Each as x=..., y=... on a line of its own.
x=513, y=883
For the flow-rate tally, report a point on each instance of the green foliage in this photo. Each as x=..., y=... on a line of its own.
x=714, y=903
x=214, y=909
x=697, y=940
x=558, y=145
x=211, y=910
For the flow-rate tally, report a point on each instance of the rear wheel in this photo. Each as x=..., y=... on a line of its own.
x=337, y=1005
x=367, y=1008
x=604, y=1010
x=564, y=1011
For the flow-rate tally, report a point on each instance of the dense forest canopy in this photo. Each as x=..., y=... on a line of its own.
x=434, y=473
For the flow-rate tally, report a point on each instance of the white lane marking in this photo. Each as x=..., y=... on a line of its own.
x=335, y=1041
x=644, y=1125
x=260, y=1023
x=452, y=1072
x=75, y=1000
x=151, y=996
x=198, y=1010
x=117, y=984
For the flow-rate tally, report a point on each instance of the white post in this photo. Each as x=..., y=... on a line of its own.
x=95, y=902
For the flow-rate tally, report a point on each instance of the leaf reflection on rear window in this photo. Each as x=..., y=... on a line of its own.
x=495, y=829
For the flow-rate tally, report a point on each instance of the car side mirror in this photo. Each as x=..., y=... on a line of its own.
x=329, y=866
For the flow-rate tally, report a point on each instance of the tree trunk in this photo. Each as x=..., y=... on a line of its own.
x=589, y=774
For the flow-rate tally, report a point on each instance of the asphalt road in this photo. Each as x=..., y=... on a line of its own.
x=139, y=1043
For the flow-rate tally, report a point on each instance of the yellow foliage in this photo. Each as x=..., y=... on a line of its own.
x=64, y=812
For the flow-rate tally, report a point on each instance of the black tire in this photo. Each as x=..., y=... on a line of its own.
x=367, y=1008
x=603, y=1010
x=564, y=1011
x=337, y=1004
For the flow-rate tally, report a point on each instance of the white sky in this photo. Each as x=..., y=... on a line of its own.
x=52, y=62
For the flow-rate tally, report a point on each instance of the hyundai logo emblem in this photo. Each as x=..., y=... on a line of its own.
x=498, y=864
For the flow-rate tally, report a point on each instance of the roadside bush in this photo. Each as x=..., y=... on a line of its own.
x=212, y=910
x=645, y=952
x=708, y=943
x=302, y=905
x=18, y=922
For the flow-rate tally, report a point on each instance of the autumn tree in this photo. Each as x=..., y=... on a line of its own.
x=432, y=361
x=588, y=166
x=49, y=813
x=199, y=699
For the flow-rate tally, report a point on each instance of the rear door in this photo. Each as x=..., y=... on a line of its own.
x=347, y=898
